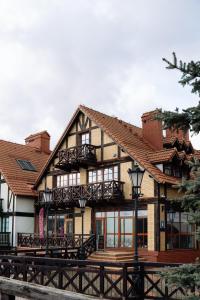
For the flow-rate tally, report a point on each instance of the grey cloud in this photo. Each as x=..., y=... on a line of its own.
x=106, y=54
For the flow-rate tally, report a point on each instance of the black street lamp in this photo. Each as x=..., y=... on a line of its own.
x=136, y=176
x=47, y=196
x=82, y=204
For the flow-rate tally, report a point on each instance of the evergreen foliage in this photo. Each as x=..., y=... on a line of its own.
x=189, y=118
x=187, y=276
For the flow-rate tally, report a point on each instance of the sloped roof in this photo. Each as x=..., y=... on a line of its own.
x=127, y=136
x=162, y=155
x=20, y=181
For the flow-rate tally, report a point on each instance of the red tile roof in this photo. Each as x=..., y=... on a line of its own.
x=130, y=141
x=162, y=155
x=129, y=138
x=20, y=181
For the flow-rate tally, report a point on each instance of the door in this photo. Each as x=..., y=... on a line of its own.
x=126, y=232
x=100, y=229
x=112, y=229
x=69, y=226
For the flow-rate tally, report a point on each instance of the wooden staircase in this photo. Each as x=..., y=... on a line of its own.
x=112, y=256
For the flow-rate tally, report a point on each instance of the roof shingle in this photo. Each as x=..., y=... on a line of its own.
x=20, y=181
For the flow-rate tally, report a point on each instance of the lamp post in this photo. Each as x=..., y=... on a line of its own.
x=47, y=196
x=82, y=204
x=136, y=176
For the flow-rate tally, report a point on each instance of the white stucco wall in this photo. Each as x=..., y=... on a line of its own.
x=23, y=225
x=24, y=205
x=4, y=196
x=21, y=205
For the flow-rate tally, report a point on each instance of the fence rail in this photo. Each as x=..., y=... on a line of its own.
x=105, y=280
x=34, y=240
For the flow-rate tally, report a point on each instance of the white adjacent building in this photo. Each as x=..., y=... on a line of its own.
x=20, y=166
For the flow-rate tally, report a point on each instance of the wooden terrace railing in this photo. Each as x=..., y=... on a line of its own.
x=76, y=156
x=93, y=193
x=100, y=279
x=66, y=241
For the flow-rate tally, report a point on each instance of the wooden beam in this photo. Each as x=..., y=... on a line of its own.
x=37, y=292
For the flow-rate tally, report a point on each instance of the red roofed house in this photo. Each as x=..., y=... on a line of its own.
x=91, y=160
x=19, y=168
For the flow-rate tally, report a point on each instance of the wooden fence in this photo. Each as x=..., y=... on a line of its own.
x=105, y=280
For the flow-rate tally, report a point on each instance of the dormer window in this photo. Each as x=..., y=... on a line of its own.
x=173, y=170
x=85, y=138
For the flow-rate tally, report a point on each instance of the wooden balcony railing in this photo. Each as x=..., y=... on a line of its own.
x=109, y=191
x=75, y=157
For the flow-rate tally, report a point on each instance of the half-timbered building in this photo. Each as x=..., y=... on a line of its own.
x=91, y=160
x=19, y=169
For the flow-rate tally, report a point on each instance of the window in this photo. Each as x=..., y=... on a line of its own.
x=4, y=225
x=26, y=165
x=85, y=138
x=117, y=228
x=168, y=170
x=180, y=234
x=172, y=170
x=107, y=174
x=68, y=179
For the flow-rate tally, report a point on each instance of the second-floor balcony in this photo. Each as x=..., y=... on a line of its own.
x=75, y=157
x=94, y=193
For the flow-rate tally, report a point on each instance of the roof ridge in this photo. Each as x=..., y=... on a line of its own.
x=116, y=118
x=25, y=146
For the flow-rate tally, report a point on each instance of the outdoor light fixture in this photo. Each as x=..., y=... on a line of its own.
x=82, y=204
x=136, y=176
x=47, y=196
x=171, y=214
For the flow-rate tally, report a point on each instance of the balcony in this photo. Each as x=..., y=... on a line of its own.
x=75, y=157
x=102, y=192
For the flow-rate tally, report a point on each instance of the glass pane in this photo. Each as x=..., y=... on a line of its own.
x=110, y=241
x=99, y=227
x=142, y=213
x=110, y=214
x=69, y=227
x=126, y=225
x=126, y=241
x=110, y=225
x=60, y=225
x=126, y=213
x=98, y=214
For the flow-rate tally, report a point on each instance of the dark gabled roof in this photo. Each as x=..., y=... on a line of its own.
x=127, y=136
x=20, y=181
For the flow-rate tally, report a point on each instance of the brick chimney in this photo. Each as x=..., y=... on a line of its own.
x=152, y=130
x=40, y=140
x=180, y=134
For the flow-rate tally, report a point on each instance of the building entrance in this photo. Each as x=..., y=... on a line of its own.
x=117, y=228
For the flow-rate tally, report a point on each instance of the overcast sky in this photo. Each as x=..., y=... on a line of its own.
x=106, y=54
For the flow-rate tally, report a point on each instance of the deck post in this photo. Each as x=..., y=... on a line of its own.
x=101, y=278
